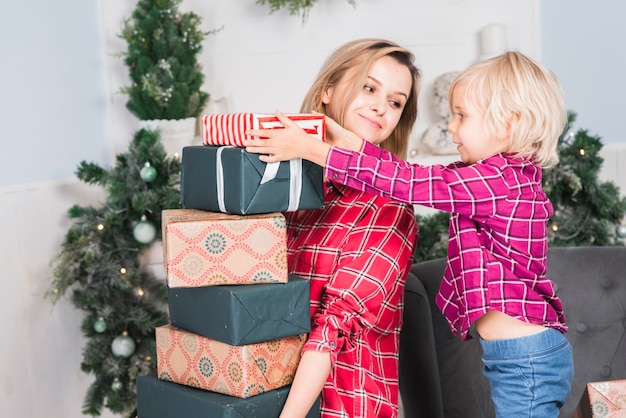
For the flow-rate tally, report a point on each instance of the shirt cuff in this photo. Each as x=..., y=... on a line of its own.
x=337, y=163
x=317, y=342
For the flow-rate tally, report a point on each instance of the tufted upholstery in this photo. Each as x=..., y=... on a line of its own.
x=591, y=281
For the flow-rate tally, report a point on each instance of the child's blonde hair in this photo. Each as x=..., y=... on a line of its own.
x=523, y=103
x=359, y=55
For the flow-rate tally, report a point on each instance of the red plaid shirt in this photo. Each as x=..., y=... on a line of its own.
x=498, y=243
x=356, y=252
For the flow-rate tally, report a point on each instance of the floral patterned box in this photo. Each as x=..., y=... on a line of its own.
x=202, y=248
x=241, y=371
x=603, y=400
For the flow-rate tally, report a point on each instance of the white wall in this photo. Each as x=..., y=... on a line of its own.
x=60, y=79
x=51, y=83
x=261, y=62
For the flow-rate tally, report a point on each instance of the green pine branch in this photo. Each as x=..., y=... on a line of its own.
x=294, y=7
x=432, y=236
x=586, y=209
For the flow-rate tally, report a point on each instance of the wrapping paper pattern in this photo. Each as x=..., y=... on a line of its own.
x=242, y=371
x=603, y=400
x=203, y=248
x=230, y=128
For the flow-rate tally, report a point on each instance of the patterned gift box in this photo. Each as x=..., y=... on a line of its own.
x=158, y=398
x=603, y=400
x=240, y=315
x=242, y=371
x=203, y=248
x=230, y=128
x=232, y=180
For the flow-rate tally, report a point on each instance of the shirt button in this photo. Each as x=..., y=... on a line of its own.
x=335, y=176
x=332, y=345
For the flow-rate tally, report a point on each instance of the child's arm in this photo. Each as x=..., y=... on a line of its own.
x=312, y=372
x=293, y=142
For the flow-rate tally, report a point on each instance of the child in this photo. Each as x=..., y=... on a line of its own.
x=358, y=249
x=508, y=113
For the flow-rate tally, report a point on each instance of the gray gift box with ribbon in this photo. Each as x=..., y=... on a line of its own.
x=231, y=180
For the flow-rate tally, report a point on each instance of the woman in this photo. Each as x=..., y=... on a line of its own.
x=358, y=249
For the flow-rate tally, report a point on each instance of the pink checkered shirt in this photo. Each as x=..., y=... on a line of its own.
x=498, y=230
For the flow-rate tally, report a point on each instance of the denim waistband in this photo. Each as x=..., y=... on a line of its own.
x=548, y=339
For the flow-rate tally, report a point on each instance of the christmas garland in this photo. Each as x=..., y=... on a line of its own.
x=295, y=7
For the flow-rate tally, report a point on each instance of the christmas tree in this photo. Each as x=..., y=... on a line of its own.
x=432, y=236
x=587, y=211
x=163, y=46
x=99, y=263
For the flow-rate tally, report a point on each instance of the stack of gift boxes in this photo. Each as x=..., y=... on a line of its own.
x=238, y=320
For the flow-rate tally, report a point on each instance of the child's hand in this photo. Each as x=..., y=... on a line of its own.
x=340, y=137
x=286, y=144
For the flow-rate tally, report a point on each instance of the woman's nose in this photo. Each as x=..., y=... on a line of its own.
x=379, y=106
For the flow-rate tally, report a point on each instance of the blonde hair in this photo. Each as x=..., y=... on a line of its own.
x=523, y=102
x=360, y=55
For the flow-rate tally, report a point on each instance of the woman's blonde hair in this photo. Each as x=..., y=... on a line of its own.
x=360, y=55
x=523, y=103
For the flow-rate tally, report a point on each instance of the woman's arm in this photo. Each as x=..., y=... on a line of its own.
x=312, y=372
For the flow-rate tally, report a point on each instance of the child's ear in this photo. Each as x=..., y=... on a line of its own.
x=510, y=123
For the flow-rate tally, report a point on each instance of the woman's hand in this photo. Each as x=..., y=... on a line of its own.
x=291, y=142
x=280, y=144
x=288, y=143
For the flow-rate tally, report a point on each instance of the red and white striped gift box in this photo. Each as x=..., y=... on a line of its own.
x=230, y=128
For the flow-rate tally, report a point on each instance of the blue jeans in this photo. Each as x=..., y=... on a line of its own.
x=530, y=376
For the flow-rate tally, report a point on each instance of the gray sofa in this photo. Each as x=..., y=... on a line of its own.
x=441, y=376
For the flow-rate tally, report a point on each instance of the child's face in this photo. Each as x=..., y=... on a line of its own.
x=473, y=139
x=376, y=110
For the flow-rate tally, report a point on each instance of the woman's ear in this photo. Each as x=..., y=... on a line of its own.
x=328, y=93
